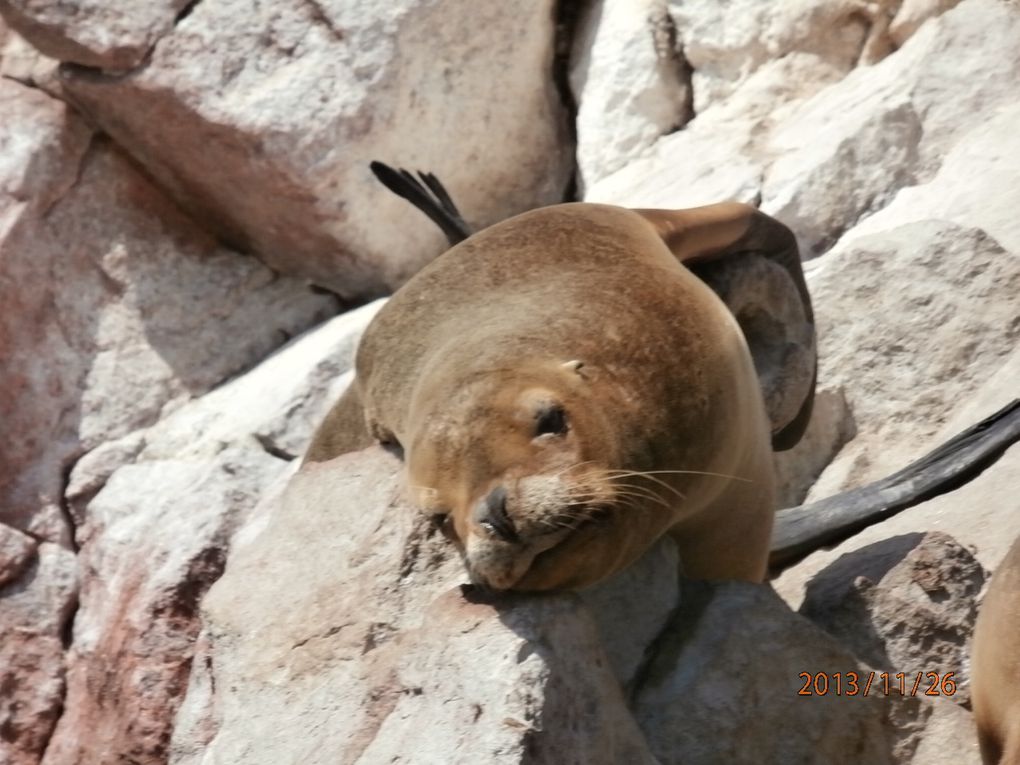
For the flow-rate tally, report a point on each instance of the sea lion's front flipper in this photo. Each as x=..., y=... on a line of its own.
x=751, y=261
x=344, y=429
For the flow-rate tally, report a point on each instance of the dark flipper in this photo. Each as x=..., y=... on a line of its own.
x=799, y=530
x=428, y=195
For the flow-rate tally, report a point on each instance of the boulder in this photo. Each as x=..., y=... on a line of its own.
x=630, y=82
x=845, y=151
x=134, y=310
x=898, y=330
x=35, y=611
x=906, y=604
x=156, y=513
x=93, y=33
x=261, y=121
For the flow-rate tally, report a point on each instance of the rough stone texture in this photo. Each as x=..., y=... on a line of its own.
x=973, y=186
x=727, y=42
x=152, y=542
x=845, y=151
x=158, y=532
x=91, y=32
x=626, y=63
x=721, y=153
x=16, y=551
x=380, y=654
x=261, y=119
x=906, y=604
x=134, y=311
x=897, y=328
x=912, y=14
x=719, y=694
x=34, y=613
x=831, y=427
x=982, y=515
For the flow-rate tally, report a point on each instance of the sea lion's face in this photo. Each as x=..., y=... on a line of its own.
x=522, y=474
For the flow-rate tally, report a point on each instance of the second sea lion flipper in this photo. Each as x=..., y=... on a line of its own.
x=752, y=262
x=428, y=195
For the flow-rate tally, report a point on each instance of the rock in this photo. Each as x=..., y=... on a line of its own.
x=156, y=533
x=899, y=331
x=906, y=604
x=153, y=541
x=92, y=33
x=22, y=63
x=136, y=310
x=831, y=427
x=973, y=186
x=726, y=43
x=912, y=14
x=940, y=733
x=846, y=150
x=379, y=654
x=980, y=515
x=16, y=550
x=828, y=175
x=630, y=82
x=716, y=694
x=261, y=120
x=722, y=153
x=34, y=613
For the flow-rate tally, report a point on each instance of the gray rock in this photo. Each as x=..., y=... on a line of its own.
x=261, y=120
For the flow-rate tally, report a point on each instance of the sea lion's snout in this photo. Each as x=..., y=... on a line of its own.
x=490, y=513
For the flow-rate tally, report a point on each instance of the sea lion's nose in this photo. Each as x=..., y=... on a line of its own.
x=490, y=514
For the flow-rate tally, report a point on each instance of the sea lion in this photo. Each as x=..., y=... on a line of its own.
x=565, y=390
x=995, y=665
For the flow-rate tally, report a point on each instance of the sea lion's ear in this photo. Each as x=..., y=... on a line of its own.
x=750, y=260
x=573, y=366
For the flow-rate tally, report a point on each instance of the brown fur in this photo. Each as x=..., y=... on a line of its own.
x=995, y=665
x=459, y=364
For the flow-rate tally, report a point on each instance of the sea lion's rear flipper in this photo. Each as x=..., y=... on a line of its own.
x=800, y=530
x=427, y=194
x=751, y=261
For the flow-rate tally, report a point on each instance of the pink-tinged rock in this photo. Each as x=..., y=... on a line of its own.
x=153, y=541
x=379, y=653
x=93, y=33
x=261, y=120
x=16, y=551
x=34, y=612
x=116, y=306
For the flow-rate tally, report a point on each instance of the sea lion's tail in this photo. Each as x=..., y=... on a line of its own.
x=427, y=194
x=800, y=530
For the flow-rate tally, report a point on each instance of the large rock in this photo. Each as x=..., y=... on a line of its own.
x=93, y=33
x=845, y=151
x=906, y=604
x=981, y=515
x=974, y=185
x=911, y=322
x=726, y=43
x=383, y=653
x=262, y=119
x=35, y=610
x=630, y=82
x=132, y=309
x=155, y=514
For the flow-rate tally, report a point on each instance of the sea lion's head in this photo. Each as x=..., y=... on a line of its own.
x=529, y=471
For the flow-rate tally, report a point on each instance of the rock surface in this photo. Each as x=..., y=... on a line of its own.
x=261, y=120
x=154, y=407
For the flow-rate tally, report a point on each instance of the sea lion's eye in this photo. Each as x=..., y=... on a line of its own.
x=551, y=420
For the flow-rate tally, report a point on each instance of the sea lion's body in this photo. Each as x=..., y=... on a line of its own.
x=454, y=363
x=995, y=665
